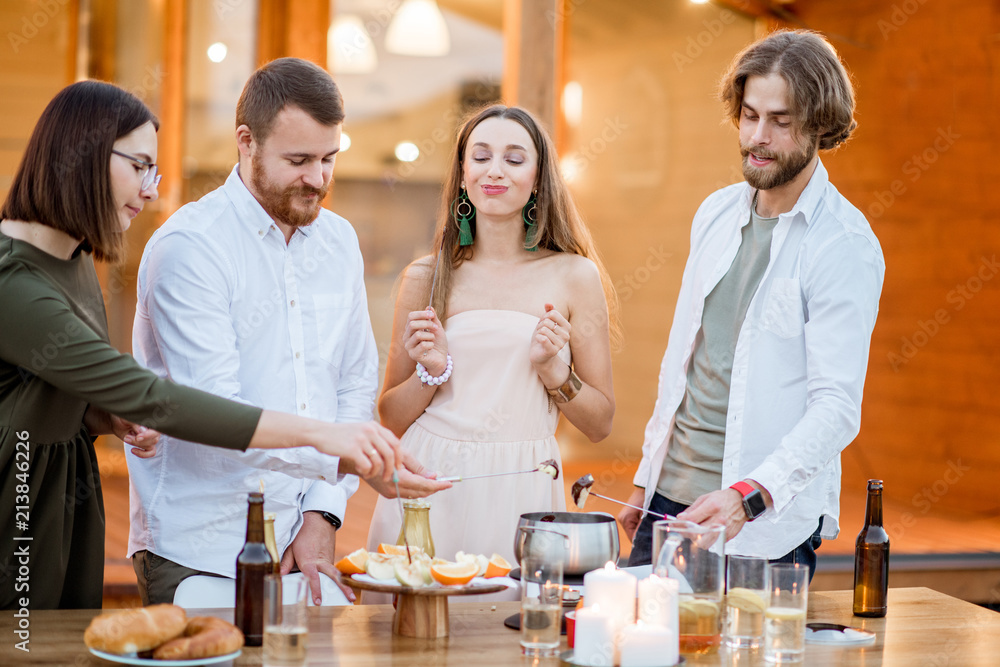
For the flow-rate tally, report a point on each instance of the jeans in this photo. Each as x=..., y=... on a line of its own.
x=642, y=543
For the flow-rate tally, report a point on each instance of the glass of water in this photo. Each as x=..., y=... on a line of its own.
x=285, y=620
x=785, y=616
x=541, y=605
x=746, y=599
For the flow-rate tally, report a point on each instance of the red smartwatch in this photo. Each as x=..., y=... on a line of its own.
x=753, y=500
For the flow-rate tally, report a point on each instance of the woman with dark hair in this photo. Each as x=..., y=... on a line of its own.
x=505, y=326
x=89, y=168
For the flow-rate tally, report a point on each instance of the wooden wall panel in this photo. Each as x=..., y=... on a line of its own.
x=923, y=167
x=651, y=145
x=37, y=60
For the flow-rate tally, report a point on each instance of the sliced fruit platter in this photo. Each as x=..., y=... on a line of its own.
x=391, y=565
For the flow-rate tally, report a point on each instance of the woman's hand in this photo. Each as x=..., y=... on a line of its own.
x=142, y=439
x=425, y=342
x=551, y=334
x=366, y=449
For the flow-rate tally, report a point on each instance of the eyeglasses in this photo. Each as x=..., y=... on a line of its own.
x=150, y=178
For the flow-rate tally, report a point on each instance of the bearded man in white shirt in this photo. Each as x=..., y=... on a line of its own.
x=256, y=293
x=760, y=387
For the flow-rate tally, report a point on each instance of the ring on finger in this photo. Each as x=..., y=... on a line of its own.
x=372, y=452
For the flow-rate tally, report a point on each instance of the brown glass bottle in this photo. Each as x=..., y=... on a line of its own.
x=871, y=558
x=272, y=544
x=253, y=563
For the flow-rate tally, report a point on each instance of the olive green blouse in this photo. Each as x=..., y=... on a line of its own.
x=56, y=359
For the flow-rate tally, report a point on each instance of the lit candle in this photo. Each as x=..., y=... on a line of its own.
x=658, y=608
x=658, y=601
x=595, y=640
x=614, y=590
x=644, y=645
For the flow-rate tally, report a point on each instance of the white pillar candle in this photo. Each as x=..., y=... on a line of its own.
x=614, y=591
x=594, y=642
x=644, y=645
x=658, y=602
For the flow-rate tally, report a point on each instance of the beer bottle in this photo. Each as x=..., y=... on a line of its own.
x=253, y=563
x=871, y=558
x=271, y=542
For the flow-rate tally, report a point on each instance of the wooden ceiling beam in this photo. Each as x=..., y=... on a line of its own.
x=760, y=9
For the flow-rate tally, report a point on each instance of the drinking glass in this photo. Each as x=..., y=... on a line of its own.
x=785, y=616
x=746, y=599
x=285, y=624
x=541, y=604
x=695, y=556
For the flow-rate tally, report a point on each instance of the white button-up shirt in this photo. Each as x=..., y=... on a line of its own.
x=800, y=359
x=227, y=307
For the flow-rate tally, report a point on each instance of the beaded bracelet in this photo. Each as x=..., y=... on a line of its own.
x=428, y=379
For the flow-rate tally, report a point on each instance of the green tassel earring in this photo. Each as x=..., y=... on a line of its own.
x=530, y=216
x=464, y=212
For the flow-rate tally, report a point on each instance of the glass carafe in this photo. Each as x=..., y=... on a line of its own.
x=417, y=525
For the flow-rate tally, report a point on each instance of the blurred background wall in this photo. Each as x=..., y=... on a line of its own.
x=629, y=91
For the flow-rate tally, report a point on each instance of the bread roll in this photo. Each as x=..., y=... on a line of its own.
x=134, y=630
x=204, y=637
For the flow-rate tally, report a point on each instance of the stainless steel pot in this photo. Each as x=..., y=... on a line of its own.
x=592, y=537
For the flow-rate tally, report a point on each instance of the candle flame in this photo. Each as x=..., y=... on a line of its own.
x=610, y=566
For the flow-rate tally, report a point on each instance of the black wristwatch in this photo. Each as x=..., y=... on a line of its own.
x=333, y=519
x=753, y=500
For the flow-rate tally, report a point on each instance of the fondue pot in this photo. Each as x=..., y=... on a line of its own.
x=592, y=537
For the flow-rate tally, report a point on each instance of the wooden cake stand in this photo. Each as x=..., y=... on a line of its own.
x=422, y=612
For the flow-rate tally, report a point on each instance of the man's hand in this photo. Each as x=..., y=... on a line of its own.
x=630, y=517
x=718, y=508
x=312, y=551
x=414, y=480
x=142, y=439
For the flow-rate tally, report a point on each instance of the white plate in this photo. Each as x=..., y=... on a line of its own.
x=834, y=636
x=132, y=659
x=478, y=581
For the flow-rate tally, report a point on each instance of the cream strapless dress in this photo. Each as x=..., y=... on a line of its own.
x=493, y=415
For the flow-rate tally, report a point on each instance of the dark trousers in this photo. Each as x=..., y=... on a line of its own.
x=642, y=543
x=159, y=577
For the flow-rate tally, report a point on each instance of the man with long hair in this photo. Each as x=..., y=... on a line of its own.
x=760, y=387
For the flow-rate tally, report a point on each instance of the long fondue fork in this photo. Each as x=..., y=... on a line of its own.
x=460, y=478
x=662, y=516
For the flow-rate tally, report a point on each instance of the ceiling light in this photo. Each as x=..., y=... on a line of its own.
x=349, y=47
x=418, y=29
x=217, y=52
x=345, y=142
x=407, y=151
x=572, y=102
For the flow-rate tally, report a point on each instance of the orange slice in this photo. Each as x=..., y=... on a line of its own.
x=353, y=563
x=397, y=549
x=498, y=567
x=454, y=574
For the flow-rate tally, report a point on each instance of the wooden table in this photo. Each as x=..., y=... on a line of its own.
x=923, y=627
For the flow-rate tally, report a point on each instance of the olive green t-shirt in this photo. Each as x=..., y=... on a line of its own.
x=693, y=464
